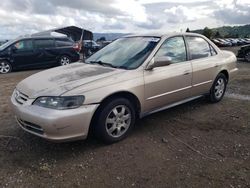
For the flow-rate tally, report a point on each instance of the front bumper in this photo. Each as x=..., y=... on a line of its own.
x=55, y=125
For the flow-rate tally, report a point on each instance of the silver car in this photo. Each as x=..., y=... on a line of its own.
x=130, y=78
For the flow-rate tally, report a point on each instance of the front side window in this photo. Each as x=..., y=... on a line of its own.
x=23, y=45
x=174, y=48
x=44, y=43
x=127, y=53
x=198, y=47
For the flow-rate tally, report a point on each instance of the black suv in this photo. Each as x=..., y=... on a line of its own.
x=37, y=52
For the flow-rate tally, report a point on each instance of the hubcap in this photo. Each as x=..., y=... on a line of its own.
x=219, y=88
x=4, y=67
x=65, y=61
x=118, y=121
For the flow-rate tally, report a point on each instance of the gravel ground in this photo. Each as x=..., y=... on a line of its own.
x=197, y=144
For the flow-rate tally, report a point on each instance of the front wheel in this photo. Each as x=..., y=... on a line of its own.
x=218, y=89
x=115, y=120
x=65, y=60
x=5, y=67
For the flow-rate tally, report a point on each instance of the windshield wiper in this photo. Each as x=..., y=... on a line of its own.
x=108, y=64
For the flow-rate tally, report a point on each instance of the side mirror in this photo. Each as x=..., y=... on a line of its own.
x=159, y=62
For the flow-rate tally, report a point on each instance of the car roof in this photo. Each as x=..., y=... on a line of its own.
x=162, y=34
x=40, y=37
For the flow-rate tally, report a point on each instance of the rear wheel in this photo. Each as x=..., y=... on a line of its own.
x=5, y=67
x=218, y=89
x=115, y=120
x=65, y=60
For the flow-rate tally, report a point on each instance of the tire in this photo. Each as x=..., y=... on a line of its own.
x=247, y=57
x=114, y=121
x=218, y=88
x=5, y=67
x=64, y=60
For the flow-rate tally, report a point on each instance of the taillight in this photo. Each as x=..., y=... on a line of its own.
x=77, y=47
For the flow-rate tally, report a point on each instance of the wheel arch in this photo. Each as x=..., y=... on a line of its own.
x=225, y=72
x=122, y=94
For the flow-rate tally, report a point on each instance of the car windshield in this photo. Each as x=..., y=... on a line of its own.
x=2, y=47
x=126, y=53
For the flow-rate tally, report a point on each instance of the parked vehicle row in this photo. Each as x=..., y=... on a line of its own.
x=37, y=52
x=227, y=42
x=130, y=78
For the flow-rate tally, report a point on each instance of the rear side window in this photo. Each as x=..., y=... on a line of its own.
x=63, y=42
x=198, y=47
x=44, y=43
x=24, y=45
x=174, y=48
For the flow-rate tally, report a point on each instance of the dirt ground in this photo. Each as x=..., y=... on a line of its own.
x=197, y=144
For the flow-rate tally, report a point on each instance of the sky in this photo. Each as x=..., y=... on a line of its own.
x=19, y=17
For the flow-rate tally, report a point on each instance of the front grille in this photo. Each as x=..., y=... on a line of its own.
x=31, y=126
x=20, y=97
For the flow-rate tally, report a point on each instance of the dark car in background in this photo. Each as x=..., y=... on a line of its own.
x=244, y=53
x=37, y=52
x=90, y=47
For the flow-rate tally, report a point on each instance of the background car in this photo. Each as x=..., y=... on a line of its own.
x=37, y=52
x=244, y=52
x=90, y=47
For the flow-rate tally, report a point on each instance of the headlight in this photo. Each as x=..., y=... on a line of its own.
x=60, y=103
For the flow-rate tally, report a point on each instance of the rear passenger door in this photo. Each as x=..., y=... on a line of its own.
x=203, y=59
x=45, y=51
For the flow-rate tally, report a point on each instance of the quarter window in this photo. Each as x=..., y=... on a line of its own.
x=198, y=47
x=63, y=42
x=174, y=48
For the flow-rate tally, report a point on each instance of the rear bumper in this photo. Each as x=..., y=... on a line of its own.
x=75, y=57
x=55, y=125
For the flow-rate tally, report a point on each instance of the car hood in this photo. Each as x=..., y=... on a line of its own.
x=57, y=81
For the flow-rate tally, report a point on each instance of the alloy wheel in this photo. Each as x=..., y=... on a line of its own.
x=118, y=121
x=219, y=88
x=65, y=60
x=4, y=67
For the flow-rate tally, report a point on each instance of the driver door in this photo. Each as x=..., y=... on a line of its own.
x=22, y=53
x=170, y=83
